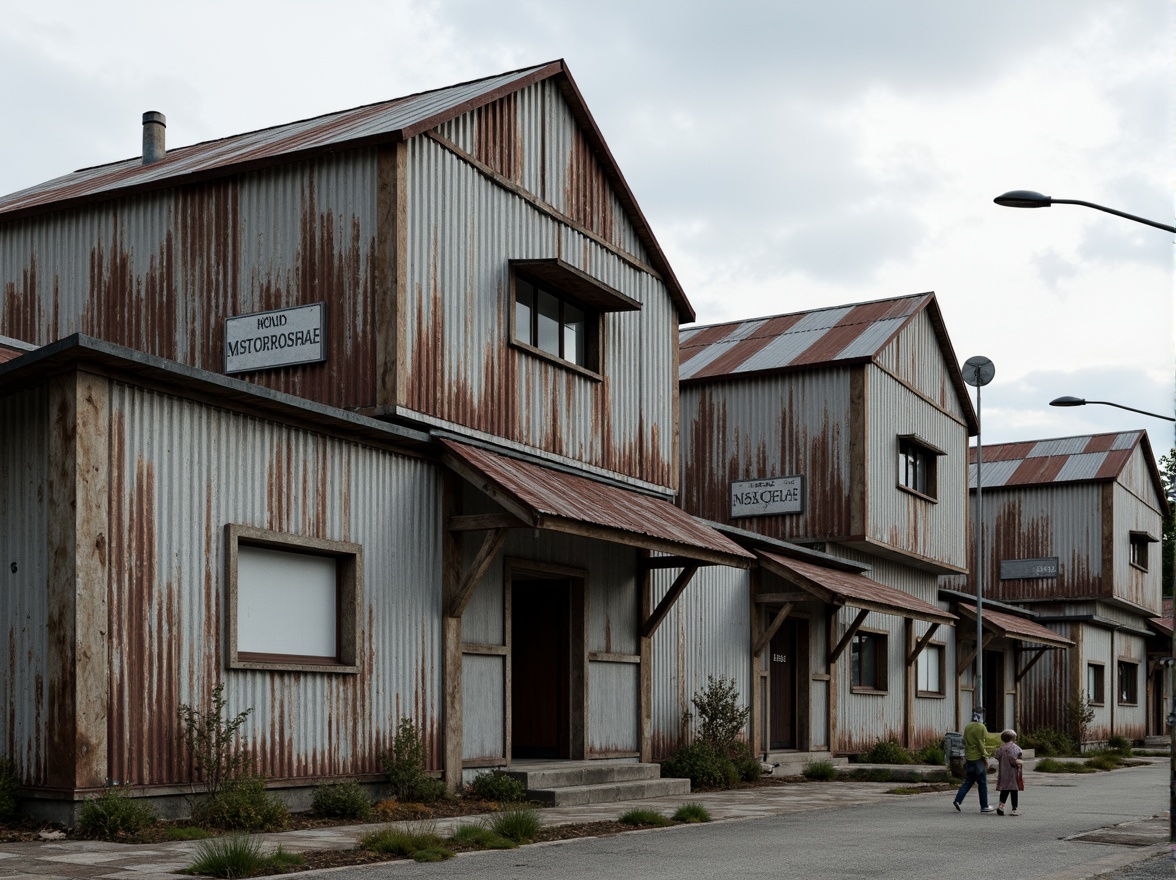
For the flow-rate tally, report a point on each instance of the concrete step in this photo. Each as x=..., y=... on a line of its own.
x=793, y=763
x=582, y=773
x=578, y=795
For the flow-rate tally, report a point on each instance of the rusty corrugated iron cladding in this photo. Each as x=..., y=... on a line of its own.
x=1069, y=459
x=179, y=473
x=161, y=273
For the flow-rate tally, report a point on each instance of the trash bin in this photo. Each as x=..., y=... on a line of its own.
x=953, y=752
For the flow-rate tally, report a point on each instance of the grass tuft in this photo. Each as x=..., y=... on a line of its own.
x=240, y=855
x=643, y=817
x=187, y=832
x=821, y=771
x=1052, y=765
x=481, y=837
x=692, y=813
x=522, y=824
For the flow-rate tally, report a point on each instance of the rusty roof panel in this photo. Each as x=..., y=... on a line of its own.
x=544, y=492
x=1062, y=460
x=853, y=589
x=820, y=336
x=386, y=119
x=1019, y=628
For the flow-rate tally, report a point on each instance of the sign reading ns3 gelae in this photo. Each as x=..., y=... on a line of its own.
x=265, y=340
x=769, y=497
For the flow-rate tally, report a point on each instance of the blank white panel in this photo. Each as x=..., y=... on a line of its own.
x=285, y=602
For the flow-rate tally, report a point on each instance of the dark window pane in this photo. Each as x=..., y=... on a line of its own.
x=524, y=304
x=574, y=335
x=548, y=324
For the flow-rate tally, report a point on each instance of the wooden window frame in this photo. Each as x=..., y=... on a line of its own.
x=1120, y=665
x=941, y=649
x=926, y=456
x=348, y=600
x=1102, y=684
x=1138, y=552
x=880, y=639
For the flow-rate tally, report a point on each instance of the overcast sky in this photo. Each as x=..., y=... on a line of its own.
x=789, y=154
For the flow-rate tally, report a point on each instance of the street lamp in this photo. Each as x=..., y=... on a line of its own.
x=1078, y=401
x=1026, y=198
x=978, y=372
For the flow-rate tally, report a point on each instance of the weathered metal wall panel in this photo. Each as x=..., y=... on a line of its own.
x=1096, y=648
x=1032, y=523
x=1048, y=685
x=707, y=632
x=532, y=138
x=865, y=718
x=1139, y=586
x=24, y=614
x=460, y=368
x=483, y=707
x=819, y=687
x=182, y=471
x=613, y=697
x=161, y=272
x=902, y=520
x=795, y=423
x=916, y=357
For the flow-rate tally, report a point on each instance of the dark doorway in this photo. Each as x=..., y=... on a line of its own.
x=1156, y=721
x=784, y=667
x=994, y=691
x=540, y=666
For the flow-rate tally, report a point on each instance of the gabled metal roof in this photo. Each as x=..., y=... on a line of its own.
x=1087, y=458
x=800, y=339
x=388, y=121
x=545, y=498
x=1010, y=626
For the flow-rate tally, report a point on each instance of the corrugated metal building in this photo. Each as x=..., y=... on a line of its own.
x=368, y=416
x=835, y=441
x=1072, y=530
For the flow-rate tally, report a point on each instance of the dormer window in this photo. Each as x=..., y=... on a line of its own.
x=558, y=311
x=917, y=466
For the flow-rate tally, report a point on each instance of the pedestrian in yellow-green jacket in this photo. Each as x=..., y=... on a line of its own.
x=976, y=751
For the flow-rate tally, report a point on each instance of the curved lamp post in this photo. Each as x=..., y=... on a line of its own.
x=1078, y=401
x=1026, y=198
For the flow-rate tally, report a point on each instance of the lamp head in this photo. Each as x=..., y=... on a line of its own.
x=1067, y=401
x=1023, y=198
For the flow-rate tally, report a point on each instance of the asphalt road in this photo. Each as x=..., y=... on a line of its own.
x=915, y=838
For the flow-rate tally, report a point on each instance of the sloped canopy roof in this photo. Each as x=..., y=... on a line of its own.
x=849, y=334
x=1085, y=458
x=385, y=122
x=849, y=588
x=1010, y=626
x=546, y=498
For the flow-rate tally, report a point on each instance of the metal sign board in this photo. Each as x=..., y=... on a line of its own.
x=1021, y=569
x=264, y=340
x=769, y=497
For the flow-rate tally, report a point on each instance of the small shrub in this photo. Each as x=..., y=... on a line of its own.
x=1077, y=714
x=703, y=766
x=1105, y=761
x=1120, y=744
x=240, y=855
x=932, y=753
x=212, y=741
x=692, y=813
x=9, y=789
x=643, y=817
x=521, y=825
x=186, y=832
x=344, y=800
x=242, y=804
x=1048, y=743
x=820, y=771
x=885, y=751
x=114, y=814
x=481, y=837
x=1049, y=765
x=497, y=786
x=405, y=766
x=721, y=720
x=748, y=768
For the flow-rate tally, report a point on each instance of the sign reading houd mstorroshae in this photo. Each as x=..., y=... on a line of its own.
x=279, y=338
x=1027, y=569
x=768, y=497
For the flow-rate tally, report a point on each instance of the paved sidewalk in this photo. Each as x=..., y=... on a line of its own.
x=85, y=859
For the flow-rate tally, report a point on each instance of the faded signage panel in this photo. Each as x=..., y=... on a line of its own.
x=770, y=497
x=264, y=340
x=1019, y=569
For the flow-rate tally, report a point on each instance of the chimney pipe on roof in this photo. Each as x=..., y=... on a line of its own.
x=154, y=129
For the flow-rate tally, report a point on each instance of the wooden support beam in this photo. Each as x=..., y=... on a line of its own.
x=1037, y=655
x=491, y=544
x=922, y=643
x=667, y=562
x=782, y=598
x=773, y=627
x=967, y=661
x=477, y=522
x=849, y=634
x=649, y=627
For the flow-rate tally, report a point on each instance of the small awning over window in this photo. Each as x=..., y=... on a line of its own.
x=850, y=588
x=1020, y=629
x=546, y=498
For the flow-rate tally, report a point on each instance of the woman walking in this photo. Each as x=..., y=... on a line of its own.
x=1009, y=780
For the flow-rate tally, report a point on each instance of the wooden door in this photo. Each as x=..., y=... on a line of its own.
x=783, y=666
